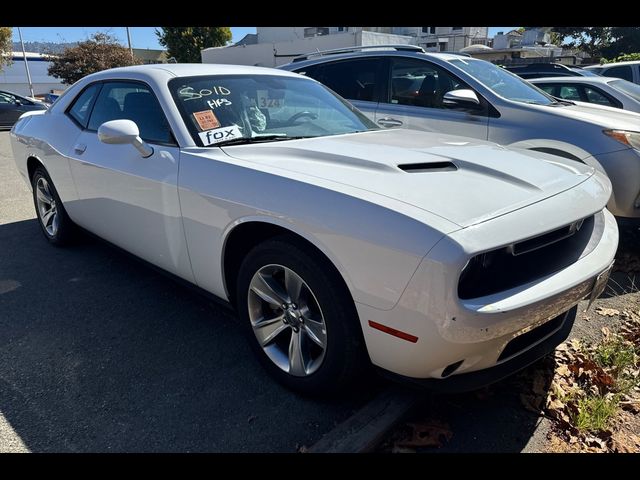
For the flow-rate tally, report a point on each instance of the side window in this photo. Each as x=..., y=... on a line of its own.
x=131, y=101
x=81, y=107
x=420, y=83
x=550, y=88
x=570, y=92
x=351, y=79
x=311, y=71
x=623, y=71
x=594, y=96
x=7, y=98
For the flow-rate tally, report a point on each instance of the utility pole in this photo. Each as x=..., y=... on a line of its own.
x=129, y=40
x=26, y=65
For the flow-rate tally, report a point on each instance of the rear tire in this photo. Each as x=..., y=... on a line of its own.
x=54, y=222
x=299, y=317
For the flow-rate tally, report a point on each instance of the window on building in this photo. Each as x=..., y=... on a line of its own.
x=316, y=31
x=132, y=101
x=623, y=71
x=456, y=29
x=429, y=30
x=431, y=44
x=343, y=29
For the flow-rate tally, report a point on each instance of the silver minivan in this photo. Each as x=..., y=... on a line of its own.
x=402, y=86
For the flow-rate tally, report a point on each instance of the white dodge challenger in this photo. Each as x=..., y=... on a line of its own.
x=439, y=259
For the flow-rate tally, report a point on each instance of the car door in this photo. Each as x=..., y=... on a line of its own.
x=10, y=109
x=620, y=71
x=414, y=100
x=124, y=198
x=358, y=80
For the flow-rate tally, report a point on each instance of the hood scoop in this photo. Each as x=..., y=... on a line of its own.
x=428, y=167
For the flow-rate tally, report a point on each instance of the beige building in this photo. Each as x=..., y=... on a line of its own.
x=274, y=46
x=149, y=55
x=445, y=39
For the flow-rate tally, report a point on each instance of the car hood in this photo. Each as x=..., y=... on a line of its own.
x=463, y=180
x=607, y=117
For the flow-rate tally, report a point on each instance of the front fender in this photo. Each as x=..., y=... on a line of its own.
x=559, y=148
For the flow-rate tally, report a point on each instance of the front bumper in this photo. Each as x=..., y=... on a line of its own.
x=471, y=381
x=471, y=335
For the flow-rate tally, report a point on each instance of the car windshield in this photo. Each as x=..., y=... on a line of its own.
x=584, y=73
x=503, y=82
x=230, y=109
x=625, y=86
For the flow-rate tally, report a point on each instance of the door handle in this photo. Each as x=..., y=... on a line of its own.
x=389, y=122
x=80, y=147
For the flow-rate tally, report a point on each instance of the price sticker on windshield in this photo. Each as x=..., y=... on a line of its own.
x=267, y=101
x=206, y=120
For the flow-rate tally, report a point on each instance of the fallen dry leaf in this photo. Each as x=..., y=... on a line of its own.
x=563, y=371
x=427, y=434
x=607, y=312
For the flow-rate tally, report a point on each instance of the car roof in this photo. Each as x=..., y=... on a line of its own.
x=190, y=69
x=615, y=64
x=375, y=53
x=575, y=79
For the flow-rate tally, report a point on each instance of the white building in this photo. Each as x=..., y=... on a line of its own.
x=13, y=78
x=274, y=46
x=449, y=39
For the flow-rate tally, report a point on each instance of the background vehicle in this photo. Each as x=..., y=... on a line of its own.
x=541, y=70
x=432, y=256
x=403, y=86
x=629, y=71
x=606, y=91
x=12, y=106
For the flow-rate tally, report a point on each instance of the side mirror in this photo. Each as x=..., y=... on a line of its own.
x=120, y=132
x=461, y=98
x=18, y=102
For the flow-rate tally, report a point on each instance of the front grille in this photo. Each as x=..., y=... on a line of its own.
x=528, y=339
x=522, y=262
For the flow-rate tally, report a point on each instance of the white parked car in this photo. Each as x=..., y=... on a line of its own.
x=629, y=71
x=604, y=91
x=430, y=256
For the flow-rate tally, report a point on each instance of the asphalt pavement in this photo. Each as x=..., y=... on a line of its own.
x=100, y=353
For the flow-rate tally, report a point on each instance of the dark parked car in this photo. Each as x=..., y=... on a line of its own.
x=542, y=70
x=12, y=106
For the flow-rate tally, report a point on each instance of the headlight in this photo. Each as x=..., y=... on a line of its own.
x=630, y=139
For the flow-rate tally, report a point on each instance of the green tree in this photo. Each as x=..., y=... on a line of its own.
x=625, y=40
x=185, y=43
x=100, y=52
x=5, y=46
x=591, y=40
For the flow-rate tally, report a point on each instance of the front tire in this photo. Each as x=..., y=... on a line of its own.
x=300, y=318
x=54, y=222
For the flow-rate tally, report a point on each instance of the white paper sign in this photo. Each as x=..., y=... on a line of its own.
x=217, y=135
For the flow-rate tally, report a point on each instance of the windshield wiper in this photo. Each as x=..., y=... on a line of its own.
x=258, y=139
